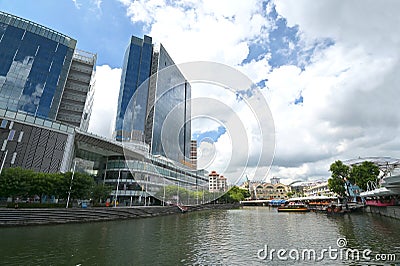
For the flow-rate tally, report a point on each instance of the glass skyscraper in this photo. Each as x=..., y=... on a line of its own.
x=34, y=64
x=42, y=74
x=168, y=127
x=145, y=103
x=130, y=121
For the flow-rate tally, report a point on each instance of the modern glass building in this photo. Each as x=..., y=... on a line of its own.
x=168, y=127
x=42, y=74
x=34, y=64
x=45, y=98
x=130, y=121
x=153, y=90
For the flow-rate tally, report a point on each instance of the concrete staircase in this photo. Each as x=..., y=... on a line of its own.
x=12, y=217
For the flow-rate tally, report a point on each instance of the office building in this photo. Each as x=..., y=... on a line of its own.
x=42, y=74
x=130, y=120
x=145, y=104
x=46, y=88
x=168, y=126
x=49, y=146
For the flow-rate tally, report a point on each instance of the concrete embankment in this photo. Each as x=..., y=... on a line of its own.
x=388, y=211
x=16, y=217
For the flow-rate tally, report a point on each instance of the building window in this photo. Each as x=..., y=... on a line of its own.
x=20, y=136
x=4, y=123
x=11, y=135
x=3, y=148
x=13, y=158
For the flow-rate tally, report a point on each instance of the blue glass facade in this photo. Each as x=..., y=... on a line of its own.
x=171, y=104
x=34, y=64
x=130, y=121
x=144, y=104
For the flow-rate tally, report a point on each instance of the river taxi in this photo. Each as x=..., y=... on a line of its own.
x=294, y=207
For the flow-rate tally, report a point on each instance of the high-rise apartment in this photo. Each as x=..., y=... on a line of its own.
x=145, y=103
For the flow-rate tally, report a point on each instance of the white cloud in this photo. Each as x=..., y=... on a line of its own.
x=105, y=102
x=350, y=107
x=354, y=23
x=350, y=89
x=201, y=30
x=97, y=3
x=77, y=5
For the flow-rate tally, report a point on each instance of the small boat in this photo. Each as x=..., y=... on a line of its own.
x=182, y=208
x=294, y=207
x=336, y=209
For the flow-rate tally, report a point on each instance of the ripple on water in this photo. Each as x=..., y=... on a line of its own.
x=231, y=237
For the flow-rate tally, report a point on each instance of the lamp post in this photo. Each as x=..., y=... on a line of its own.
x=116, y=191
x=70, y=185
x=4, y=160
x=163, y=203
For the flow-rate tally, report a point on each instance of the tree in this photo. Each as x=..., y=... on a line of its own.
x=290, y=194
x=41, y=184
x=339, y=170
x=60, y=186
x=340, y=173
x=81, y=185
x=15, y=182
x=336, y=185
x=235, y=194
x=363, y=173
x=100, y=192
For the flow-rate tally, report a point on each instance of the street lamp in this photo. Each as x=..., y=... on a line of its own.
x=70, y=185
x=4, y=160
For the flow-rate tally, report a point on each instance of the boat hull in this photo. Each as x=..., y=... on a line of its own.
x=301, y=209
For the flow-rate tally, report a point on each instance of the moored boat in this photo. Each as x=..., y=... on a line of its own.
x=294, y=207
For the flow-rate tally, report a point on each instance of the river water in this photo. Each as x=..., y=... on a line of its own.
x=244, y=236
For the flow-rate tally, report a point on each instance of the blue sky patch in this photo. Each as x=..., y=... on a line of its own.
x=299, y=100
x=213, y=135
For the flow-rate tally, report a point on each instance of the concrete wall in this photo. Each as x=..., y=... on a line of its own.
x=389, y=211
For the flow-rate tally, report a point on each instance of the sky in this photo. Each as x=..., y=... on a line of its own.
x=329, y=70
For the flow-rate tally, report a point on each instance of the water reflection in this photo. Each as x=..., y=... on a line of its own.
x=230, y=237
